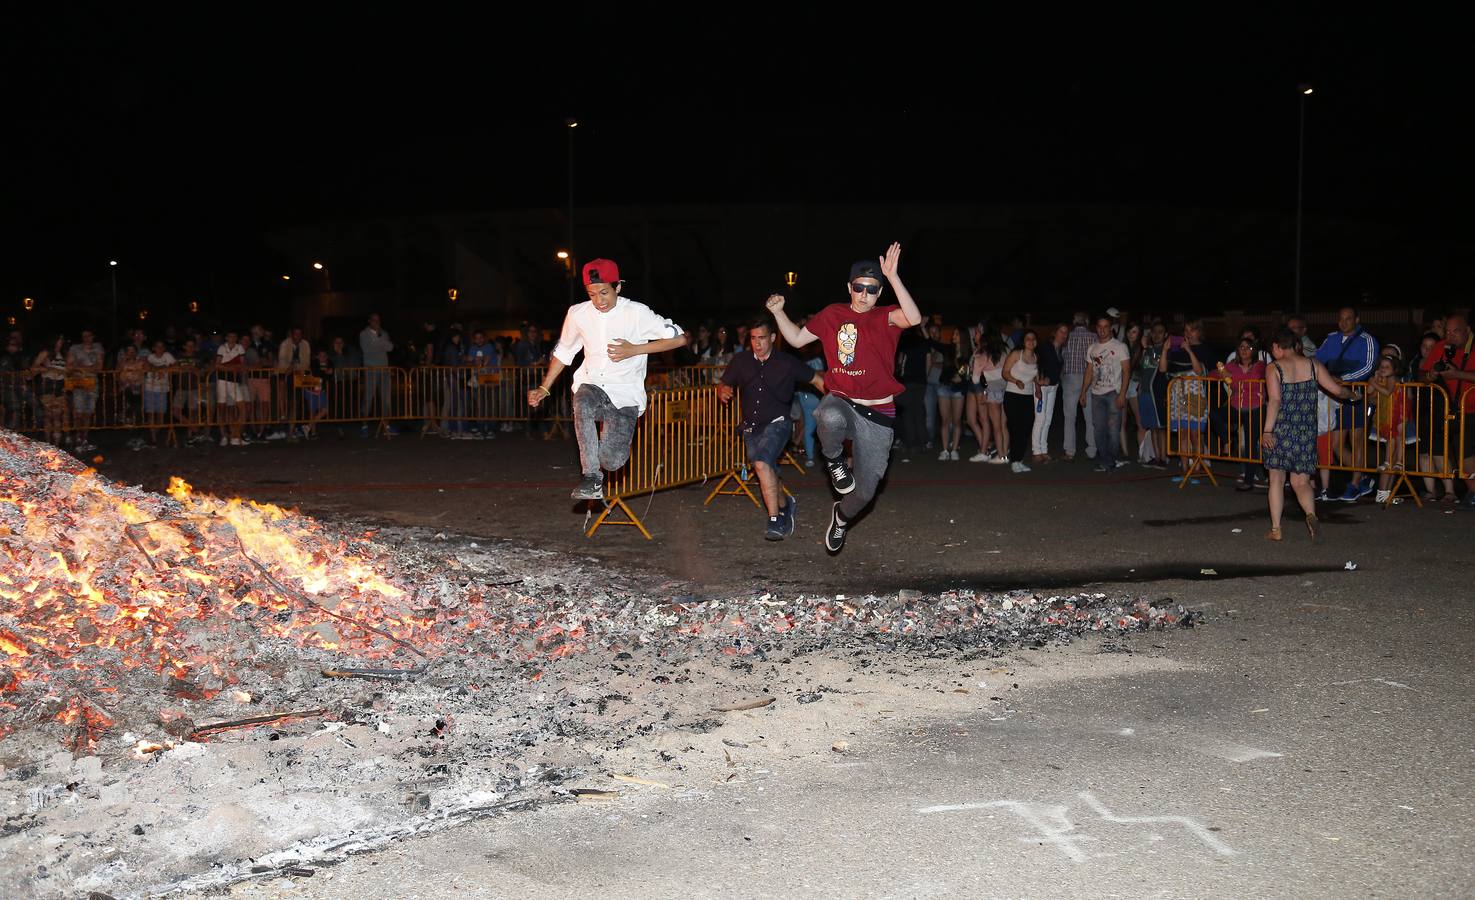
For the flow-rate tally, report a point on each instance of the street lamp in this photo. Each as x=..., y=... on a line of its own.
x=791, y=278
x=569, y=256
x=327, y=276
x=1306, y=91
x=28, y=303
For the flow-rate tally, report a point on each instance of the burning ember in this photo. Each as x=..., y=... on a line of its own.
x=101, y=586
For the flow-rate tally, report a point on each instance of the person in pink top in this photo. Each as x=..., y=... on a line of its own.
x=1238, y=421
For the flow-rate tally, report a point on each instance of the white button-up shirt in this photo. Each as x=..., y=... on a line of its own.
x=586, y=328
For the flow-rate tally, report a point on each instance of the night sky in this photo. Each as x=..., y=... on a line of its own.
x=175, y=143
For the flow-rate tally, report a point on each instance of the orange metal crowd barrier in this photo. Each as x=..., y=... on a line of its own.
x=447, y=400
x=687, y=435
x=1397, y=431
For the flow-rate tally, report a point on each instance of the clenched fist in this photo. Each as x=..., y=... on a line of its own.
x=775, y=302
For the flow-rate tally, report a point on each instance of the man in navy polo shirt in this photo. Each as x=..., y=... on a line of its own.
x=767, y=379
x=859, y=340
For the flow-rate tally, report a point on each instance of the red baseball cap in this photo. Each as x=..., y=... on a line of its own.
x=601, y=270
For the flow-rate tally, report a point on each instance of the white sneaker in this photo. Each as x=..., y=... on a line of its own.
x=999, y=460
x=1014, y=467
x=1383, y=496
x=942, y=457
x=238, y=442
x=980, y=456
x=277, y=436
x=1024, y=468
x=225, y=442
x=952, y=456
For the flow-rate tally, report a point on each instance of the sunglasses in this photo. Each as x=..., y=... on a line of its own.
x=872, y=289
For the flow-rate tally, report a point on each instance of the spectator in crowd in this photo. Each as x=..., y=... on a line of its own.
x=131, y=368
x=1392, y=427
x=1288, y=434
x=454, y=389
x=375, y=346
x=1238, y=424
x=138, y=340
x=615, y=334
x=294, y=357
x=913, y=353
x=1187, y=398
x=316, y=395
x=191, y=394
x=84, y=365
x=1152, y=396
x=1439, y=326
x=231, y=393
x=1132, y=431
x=1022, y=399
x=934, y=375
x=1108, y=367
x=50, y=367
x=15, y=370
x=1451, y=363
x=952, y=381
x=767, y=378
x=1350, y=354
x=261, y=358
x=701, y=344
x=1072, y=378
x=527, y=353
x=1297, y=325
x=156, y=389
x=988, y=375
x=484, y=359
x=1052, y=367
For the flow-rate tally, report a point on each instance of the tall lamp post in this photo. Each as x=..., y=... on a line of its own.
x=571, y=125
x=1306, y=91
x=327, y=276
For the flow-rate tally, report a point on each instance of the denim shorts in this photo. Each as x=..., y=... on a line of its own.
x=766, y=443
x=949, y=390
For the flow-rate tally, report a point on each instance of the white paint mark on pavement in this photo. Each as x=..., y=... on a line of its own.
x=1193, y=826
x=1048, y=819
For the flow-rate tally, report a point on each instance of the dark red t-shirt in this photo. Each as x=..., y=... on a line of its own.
x=860, y=350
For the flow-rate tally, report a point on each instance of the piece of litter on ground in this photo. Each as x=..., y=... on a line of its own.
x=474, y=545
x=1207, y=572
x=1236, y=531
x=840, y=746
x=1351, y=566
x=633, y=779
x=1266, y=709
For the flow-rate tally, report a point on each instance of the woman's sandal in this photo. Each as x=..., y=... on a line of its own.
x=1313, y=525
x=1273, y=534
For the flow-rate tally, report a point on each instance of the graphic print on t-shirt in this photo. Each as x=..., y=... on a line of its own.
x=846, y=342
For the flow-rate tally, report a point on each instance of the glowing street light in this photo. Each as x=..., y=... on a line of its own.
x=791, y=278
x=562, y=254
x=1306, y=89
x=194, y=306
x=28, y=303
x=453, y=294
x=318, y=266
x=112, y=262
x=286, y=277
x=143, y=315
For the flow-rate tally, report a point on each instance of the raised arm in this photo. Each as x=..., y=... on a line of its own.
x=793, y=334
x=909, y=315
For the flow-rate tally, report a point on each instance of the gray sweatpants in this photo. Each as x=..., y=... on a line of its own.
x=612, y=450
x=836, y=422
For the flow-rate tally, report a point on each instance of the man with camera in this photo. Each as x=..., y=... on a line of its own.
x=1450, y=362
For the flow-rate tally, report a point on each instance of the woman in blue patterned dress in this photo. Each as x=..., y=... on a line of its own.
x=1289, y=435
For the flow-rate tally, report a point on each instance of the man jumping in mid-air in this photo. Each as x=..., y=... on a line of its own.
x=859, y=344
x=616, y=334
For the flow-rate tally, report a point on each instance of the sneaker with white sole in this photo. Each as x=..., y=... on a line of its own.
x=591, y=488
x=998, y=461
x=775, y=530
x=1383, y=496
x=835, y=534
x=840, y=475
x=225, y=442
x=952, y=456
x=980, y=456
x=942, y=457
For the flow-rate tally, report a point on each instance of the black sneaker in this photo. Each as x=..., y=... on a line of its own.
x=788, y=515
x=840, y=476
x=776, y=528
x=591, y=488
x=835, y=535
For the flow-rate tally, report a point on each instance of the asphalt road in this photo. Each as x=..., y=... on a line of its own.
x=1312, y=738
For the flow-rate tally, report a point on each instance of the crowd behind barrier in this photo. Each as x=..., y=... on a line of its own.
x=958, y=380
